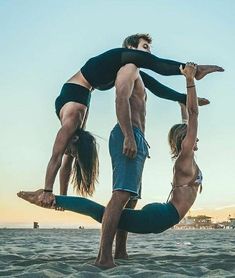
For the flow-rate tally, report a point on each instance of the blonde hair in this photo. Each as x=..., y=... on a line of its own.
x=175, y=137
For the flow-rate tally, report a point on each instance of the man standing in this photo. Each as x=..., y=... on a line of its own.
x=128, y=150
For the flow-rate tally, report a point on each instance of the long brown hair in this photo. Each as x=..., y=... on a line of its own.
x=85, y=170
x=175, y=137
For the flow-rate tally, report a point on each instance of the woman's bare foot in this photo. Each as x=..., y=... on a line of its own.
x=203, y=70
x=202, y=101
x=36, y=197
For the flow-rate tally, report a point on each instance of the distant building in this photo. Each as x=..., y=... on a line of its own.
x=202, y=221
x=195, y=222
x=232, y=222
x=221, y=225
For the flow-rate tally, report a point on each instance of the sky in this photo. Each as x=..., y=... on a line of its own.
x=43, y=43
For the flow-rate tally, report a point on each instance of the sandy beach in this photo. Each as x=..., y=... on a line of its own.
x=71, y=253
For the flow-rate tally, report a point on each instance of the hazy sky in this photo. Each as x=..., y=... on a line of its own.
x=44, y=42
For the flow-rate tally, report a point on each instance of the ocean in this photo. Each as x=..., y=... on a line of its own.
x=70, y=253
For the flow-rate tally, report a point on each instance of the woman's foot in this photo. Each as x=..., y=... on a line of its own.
x=202, y=101
x=203, y=70
x=36, y=197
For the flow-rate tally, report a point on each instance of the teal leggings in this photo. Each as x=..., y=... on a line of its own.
x=152, y=218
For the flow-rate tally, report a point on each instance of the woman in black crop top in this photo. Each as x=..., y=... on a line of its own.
x=187, y=178
x=72, y=106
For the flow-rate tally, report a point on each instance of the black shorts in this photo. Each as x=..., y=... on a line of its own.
x=72, y=92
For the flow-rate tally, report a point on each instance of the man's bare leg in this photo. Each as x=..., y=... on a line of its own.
x=121, y=237
x=34, y=197
x=203, y=70
x=109, y=226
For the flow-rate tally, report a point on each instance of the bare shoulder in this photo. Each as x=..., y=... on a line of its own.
x=126, y=75
x=71, y=112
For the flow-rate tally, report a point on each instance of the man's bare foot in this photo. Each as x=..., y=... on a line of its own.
x=203, y=70
x=121, y=255
x=202, y=101
x=105, y=265
x=35, y=197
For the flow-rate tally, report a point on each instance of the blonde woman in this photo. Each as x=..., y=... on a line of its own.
x=187, y=178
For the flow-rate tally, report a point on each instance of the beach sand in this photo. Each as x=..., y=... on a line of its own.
x=71, y=253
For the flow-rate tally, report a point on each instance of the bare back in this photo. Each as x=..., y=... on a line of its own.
x=184, y=169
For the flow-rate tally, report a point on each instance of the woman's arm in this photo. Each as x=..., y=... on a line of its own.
x=65, y=171
x=192, y=108
x=70, y=122
x=63, y=137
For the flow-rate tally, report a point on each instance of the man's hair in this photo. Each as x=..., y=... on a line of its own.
x=134, y=40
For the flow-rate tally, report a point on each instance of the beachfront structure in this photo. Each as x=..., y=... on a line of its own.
x=204, y=222
x=195, y=222
x=232, y=222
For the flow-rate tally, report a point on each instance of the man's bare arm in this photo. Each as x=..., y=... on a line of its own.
x=124, y=84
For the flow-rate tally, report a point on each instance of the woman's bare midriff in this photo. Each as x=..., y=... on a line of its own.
x=79, y=79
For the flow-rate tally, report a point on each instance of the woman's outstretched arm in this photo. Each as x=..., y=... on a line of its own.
x=192, y=109
x=65, y=172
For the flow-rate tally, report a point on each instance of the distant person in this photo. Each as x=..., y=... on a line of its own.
x=187, y=178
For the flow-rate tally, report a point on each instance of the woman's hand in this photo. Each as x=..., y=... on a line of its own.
x=46, y=199
x=189, y=70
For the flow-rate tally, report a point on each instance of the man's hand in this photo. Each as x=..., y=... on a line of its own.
x=129, y=147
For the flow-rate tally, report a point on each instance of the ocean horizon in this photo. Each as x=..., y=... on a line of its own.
x=61, y=252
